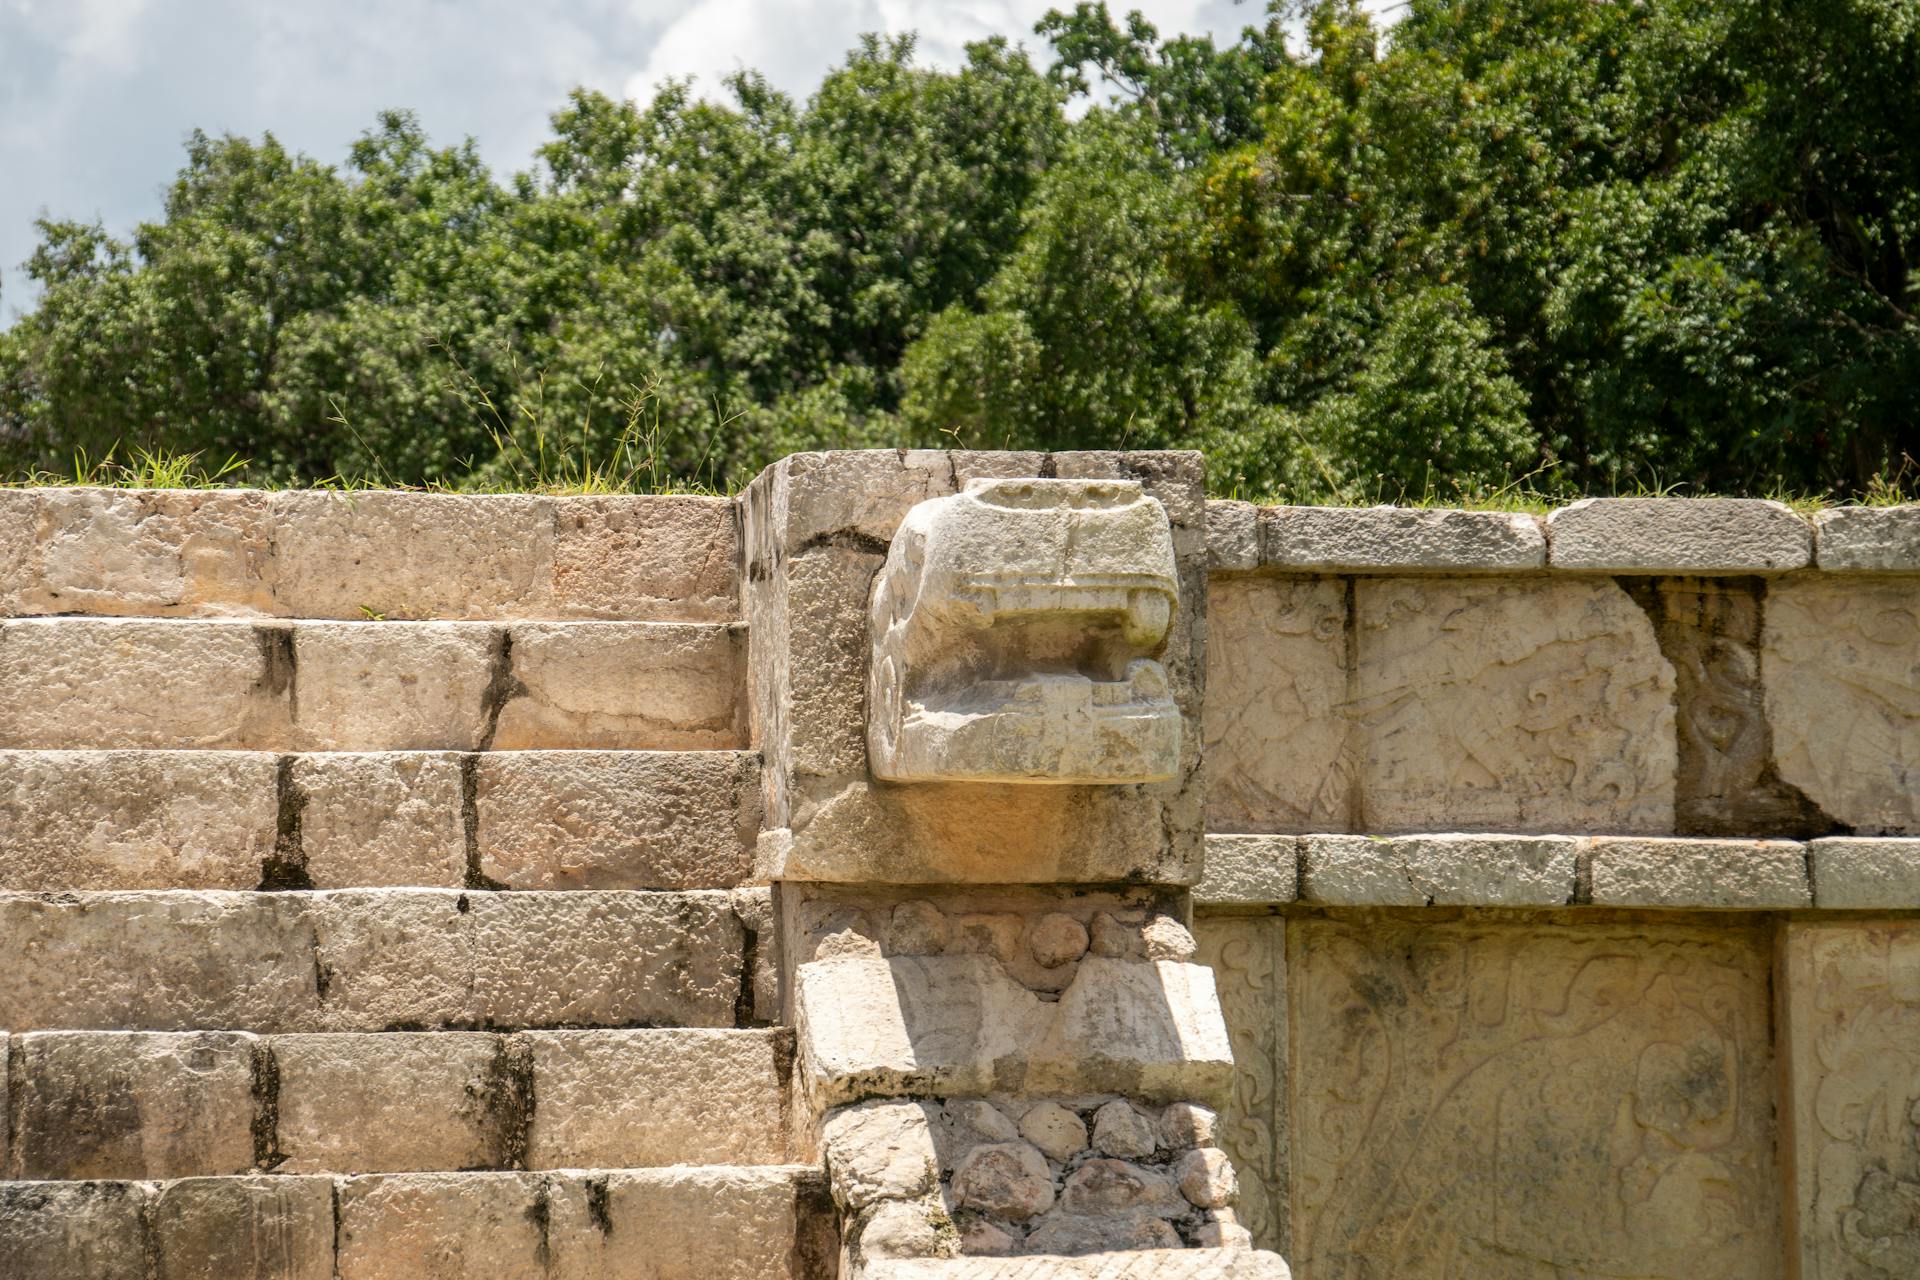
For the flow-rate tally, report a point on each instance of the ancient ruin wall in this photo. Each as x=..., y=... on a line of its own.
x=1563, y=887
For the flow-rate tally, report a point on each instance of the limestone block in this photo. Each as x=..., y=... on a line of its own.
x=900, y=1229
x=1852, y=1004
x=1678, y=535
x=277, y=1228
x=73, y=1231
x=626, y=1099
x=1248, y=956
x=391, y=686
x=1277, y=738
x=691, y=1224
x=822, y=711
x=1145, y=1264
x=19, y=558
x=606, y=959
x=1524, y=705
x=957, y=1024
x=155, y=961
x=152, y=552
x=389, y=957
x=397, y=1102
x=411, y=555
x=381, y=818
x=1749, y=875
x=1233, y=536
x=442, y=1226
x=670, y=686
x=880, y=1151
x=1249, y=870
x=134, y=819
x=1594, y=1100
x=617, y=820
x=1399, y=539
x=1842, y=680
x=1438, y=870
x=663, y=558
x=133, y=682
x=1869, y=873
x=1017, y=627
x=96, y=1104
x=1868, y=539
x=981, y=833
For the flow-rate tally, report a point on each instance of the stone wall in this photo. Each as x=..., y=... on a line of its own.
x=1563, y=888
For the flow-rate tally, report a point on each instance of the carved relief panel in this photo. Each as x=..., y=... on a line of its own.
x=1248, y=955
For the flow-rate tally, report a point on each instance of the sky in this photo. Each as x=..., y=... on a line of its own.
x=97, y=96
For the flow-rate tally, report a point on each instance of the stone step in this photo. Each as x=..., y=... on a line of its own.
x=79, y=820
x=369, y=686
x=315, y=554
x=711, y=1222
x=185, y=1104
x=380, y=960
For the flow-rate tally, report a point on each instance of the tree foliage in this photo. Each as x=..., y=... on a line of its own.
x=1580, y=244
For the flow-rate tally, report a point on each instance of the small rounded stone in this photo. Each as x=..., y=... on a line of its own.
x=1072, y=1234
x=1114, y=1186
x=981, y=1239
x=1222, y=1235
x=988, y=1121
x=987, y=933
x=1058, y=1132
x=1004, y=1180
x=1056, y=939
x=1168, y=939
x=1188, y=1124
x=1207, y=1178
x=1114, y=938
x=917, y=928
x=1119, y=1130
x=902, y=1229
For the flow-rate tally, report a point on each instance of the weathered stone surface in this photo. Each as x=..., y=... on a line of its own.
x=150, y=552
x=107, y=1105
x=1277, y=737
x=19, y=512
x=753, y=908
x=442, y=1226
x=399, y=1102
x=155, y=961
x=129, y=682
x=691, y=1224
x=1249, y=870
x=1154, y=1264
x=1726, y=782
x=1107, y=1186
x=1119, y=1130
x=1678, y=535
x=606, y=959
x=1527, y=705
x=1017, y=627
x=62, y=1230
x=391, y=686
x=657, y=1096
x=387, y=958
x=1843, y=697
x=1206, y=1178
x=1865, y=873
x=666, y=558
x=617, y=819
x=1248, y=956
x=880, y=1150
x=1852, y=1005
x=957, y=1024
x=1753, y=875
x=1390, y=539
x=1233, y=536
x=1068, y=1233
x=1056, y=939
x=1438, y=870
x=1056, y=1131
x=277, y=1228
x=1596, y=1101
x=1003, y=1180
x=134, y=819
x=1186, y=1124
x=902, y=1229
x=410, y=555
x=380, y=818
x=1868, y=539
x=672, y=686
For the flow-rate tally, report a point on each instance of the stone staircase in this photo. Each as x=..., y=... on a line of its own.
x=372, y=895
